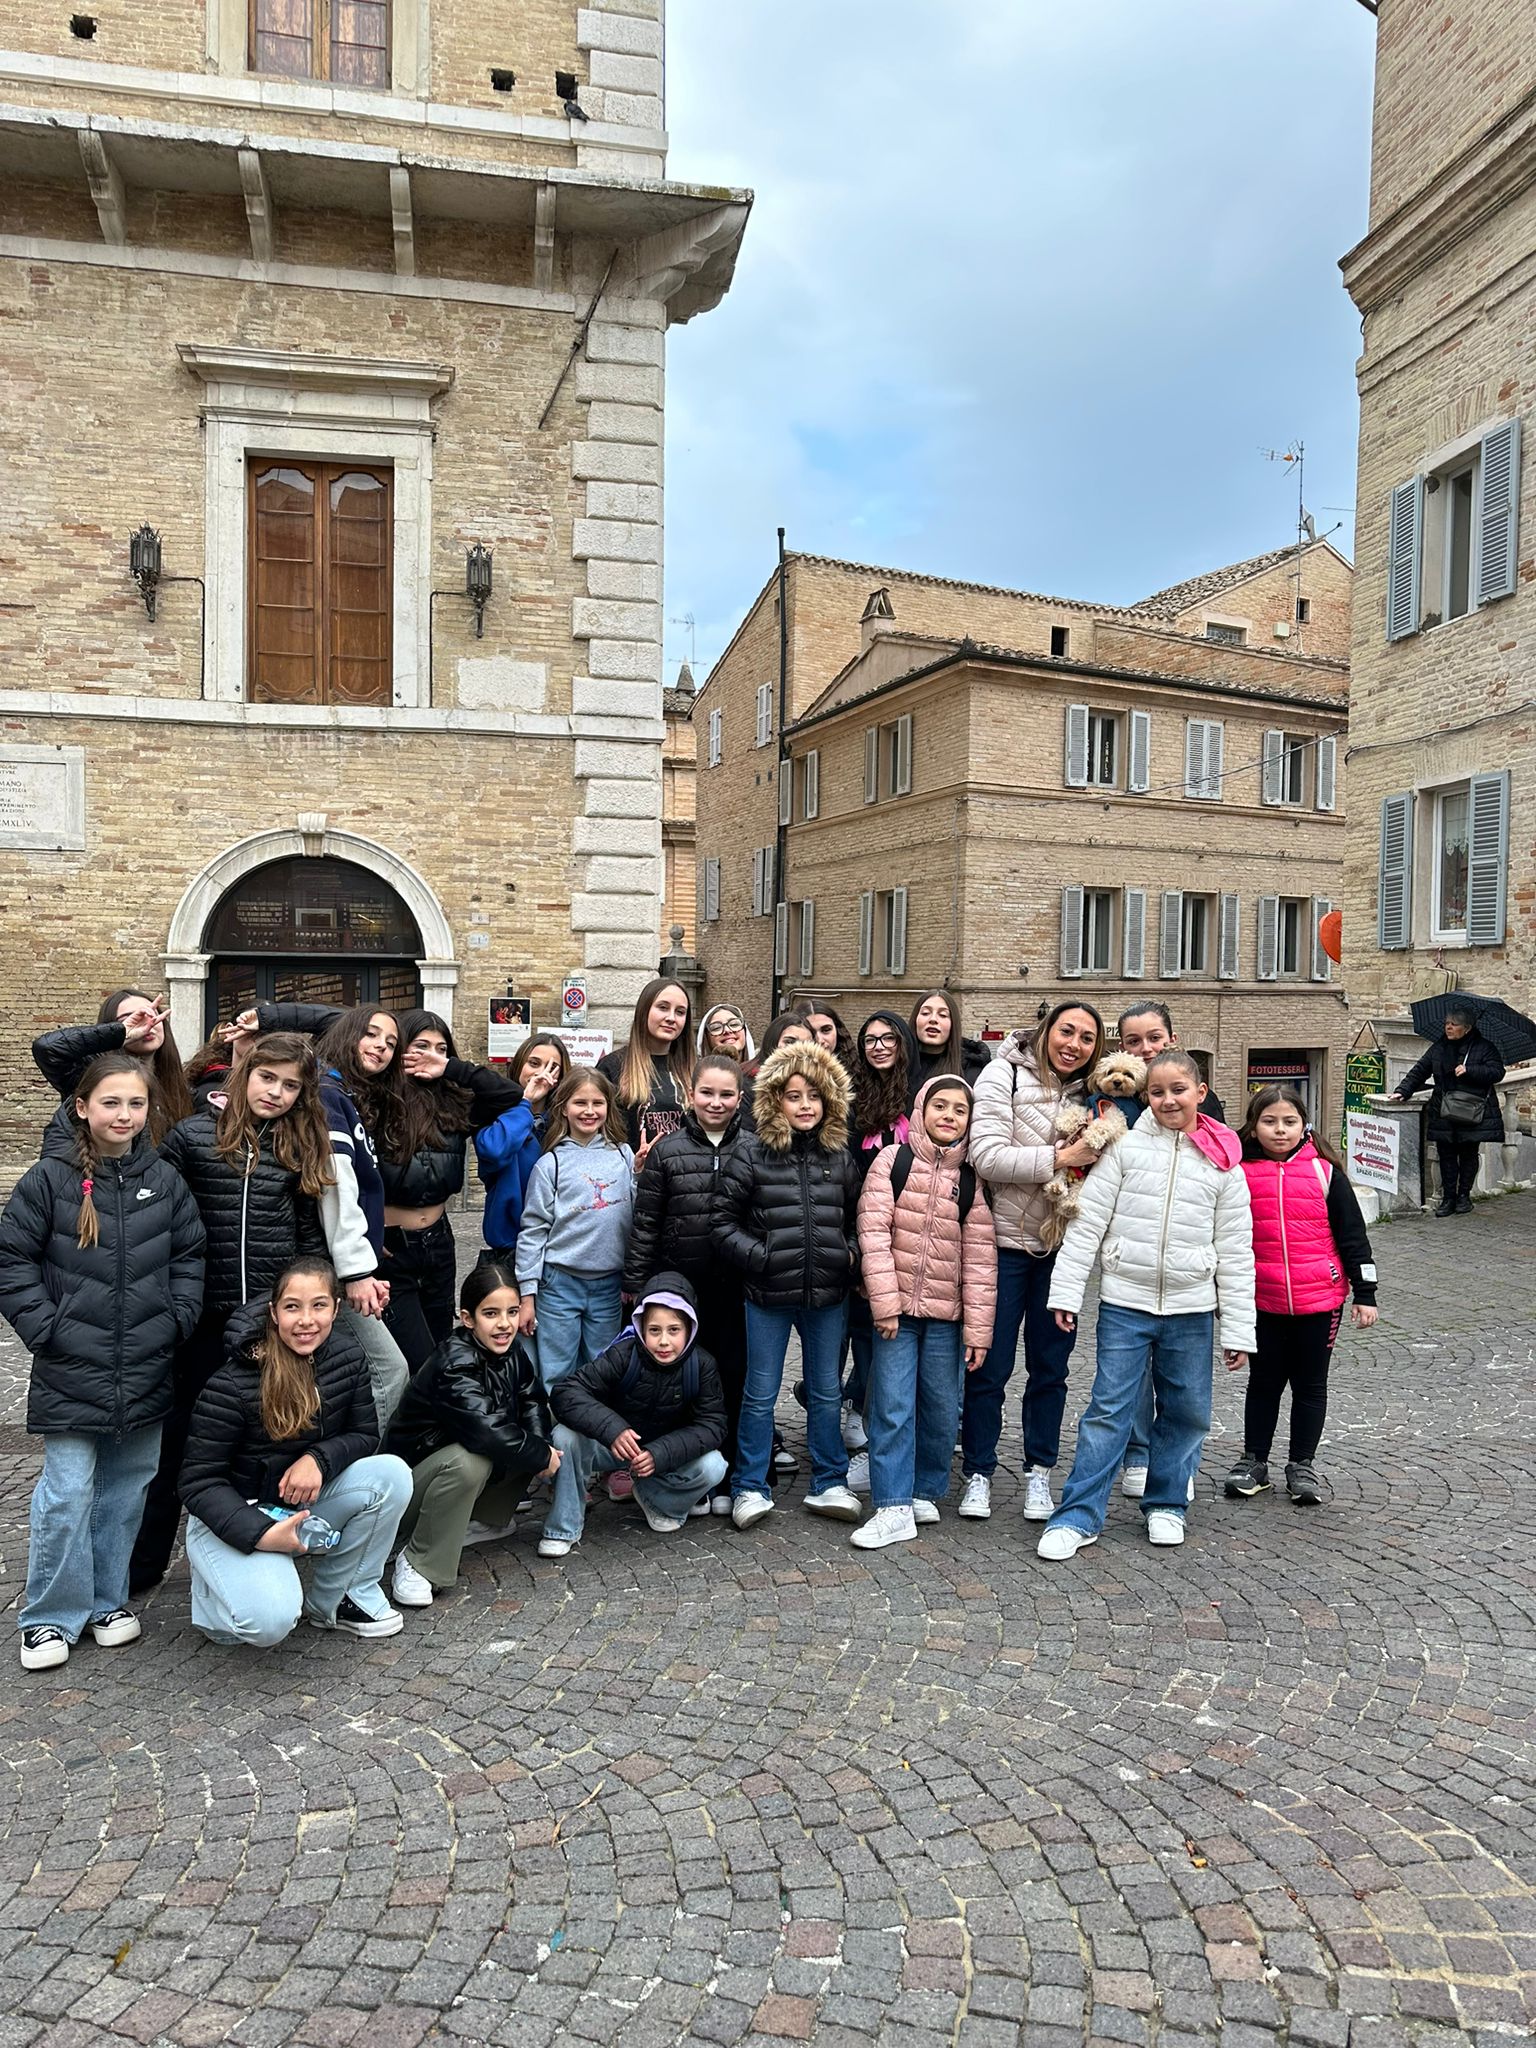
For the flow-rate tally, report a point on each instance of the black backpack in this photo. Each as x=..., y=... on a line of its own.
x=901, y=1168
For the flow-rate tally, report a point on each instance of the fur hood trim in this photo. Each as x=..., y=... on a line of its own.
x=814, y=1064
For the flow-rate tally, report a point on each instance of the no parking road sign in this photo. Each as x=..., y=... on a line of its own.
x=573, y=999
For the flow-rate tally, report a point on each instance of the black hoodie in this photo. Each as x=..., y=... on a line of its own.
x=624, y=1388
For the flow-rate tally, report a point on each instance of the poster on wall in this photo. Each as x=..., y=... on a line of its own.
x=585, y=1047
x=1371, y=1144
x=509, y=1024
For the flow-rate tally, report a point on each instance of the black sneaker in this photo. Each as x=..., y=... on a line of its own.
x=1301, y=1484
x=784, y=1459
x=1463, y=1205
x=352, y=1621
x=113, y=1630
x=43, y=1648
x=1248, y=1476
x=1447, y=1206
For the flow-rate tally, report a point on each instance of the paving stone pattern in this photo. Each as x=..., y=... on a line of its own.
x=1274, y=1788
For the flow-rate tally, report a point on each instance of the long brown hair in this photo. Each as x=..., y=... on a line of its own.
x=1039, y=1043
x=557, y=1128
x=102, y=1068
x=638, y=1075
x=290, y=1399
x=301, y=1140
x=1266, y=1098
x=170, y=1099
x=430, y=1111
x=541, y=1041
x=881, y=1095
x=378, y=1097
x=950, y=1049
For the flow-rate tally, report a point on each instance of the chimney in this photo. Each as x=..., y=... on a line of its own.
x=685, y=681
x=879, y=617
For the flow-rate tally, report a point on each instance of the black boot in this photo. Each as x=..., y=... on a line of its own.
x=1463, y=1205
x=1447, y=1206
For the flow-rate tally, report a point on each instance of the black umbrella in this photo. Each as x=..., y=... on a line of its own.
x=1511, y=1034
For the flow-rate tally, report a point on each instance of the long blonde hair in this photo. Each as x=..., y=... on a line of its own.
x=558, y=1126
x=638, y=1075
x=290, y=1399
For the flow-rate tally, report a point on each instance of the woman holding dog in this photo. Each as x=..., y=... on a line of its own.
x=1016, y=1149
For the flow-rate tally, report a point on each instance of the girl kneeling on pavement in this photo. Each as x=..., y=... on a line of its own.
x=475, y=1427
x=652, y=1402
x=101, y=1275
x=930, y=1268
x=1169, y=1206
x=284, y=1435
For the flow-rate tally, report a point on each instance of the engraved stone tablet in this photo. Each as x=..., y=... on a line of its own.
x=42, y=798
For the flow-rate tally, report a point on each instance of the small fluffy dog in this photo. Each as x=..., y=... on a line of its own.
x=1119, y=1077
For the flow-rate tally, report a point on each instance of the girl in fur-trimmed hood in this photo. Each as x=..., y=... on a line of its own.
x=825, y=1074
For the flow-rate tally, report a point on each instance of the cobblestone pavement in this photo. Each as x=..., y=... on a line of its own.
x=1276, y=1787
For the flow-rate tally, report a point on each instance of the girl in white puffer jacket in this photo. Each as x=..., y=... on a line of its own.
x=1166, y=1211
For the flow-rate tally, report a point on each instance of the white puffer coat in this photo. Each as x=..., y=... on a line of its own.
x=1176, y=1232
x=1013, y=1141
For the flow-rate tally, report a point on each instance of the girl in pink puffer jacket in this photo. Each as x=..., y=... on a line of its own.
x=929, y=1256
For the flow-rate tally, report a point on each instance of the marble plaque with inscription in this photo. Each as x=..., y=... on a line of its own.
x=42, y=798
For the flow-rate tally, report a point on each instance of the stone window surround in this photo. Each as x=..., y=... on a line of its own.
x=410, y=23
x=271, y=402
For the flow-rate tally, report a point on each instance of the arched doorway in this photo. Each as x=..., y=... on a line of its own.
x=310, y=930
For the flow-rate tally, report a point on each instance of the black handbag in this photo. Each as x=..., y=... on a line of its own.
x=1464, y=1107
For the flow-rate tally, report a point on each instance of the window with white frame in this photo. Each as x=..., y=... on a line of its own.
x=1450, y=862
x=716, y=721
x=1290, y=944
x=888, y=759
x=1453, y=534
x=1087, y=930
x=1185, y=928
x=1100, y=745
x=810, y=792
x=1194, y=943
x=764, y=714
x=1225, y=631
x=1285, y=758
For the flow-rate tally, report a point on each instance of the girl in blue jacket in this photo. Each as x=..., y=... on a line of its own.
x=509, y=1149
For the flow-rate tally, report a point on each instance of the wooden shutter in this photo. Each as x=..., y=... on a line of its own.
x=1272, y=758
x=1404, y=547
x=871, y=763
x=764, y=714
x=1321, y=966
x=770, y=859
x=283, y=38
x=712, y=890
x=1394, y=881
x=781, y=939
x=346, y=41
x=1497, y=519
x=1133, y=929
x=897, y=963
x=1077, y=746
x=359, y=49
x=866, y=931
x=1228, y=927
x=1488, y=858
x=813, y=783
x=1215, y=758
x=1139, y=779
x=757, y=881
x=1327, y=783
x=1170, y=933
x=1202, y=757
x=1071, y=931
x=320, y=584
x=901, y=763
x=786, y=792
x=807, y=938
x=1269, y=938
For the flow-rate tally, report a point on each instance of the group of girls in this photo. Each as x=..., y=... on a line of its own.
x=266, y=1332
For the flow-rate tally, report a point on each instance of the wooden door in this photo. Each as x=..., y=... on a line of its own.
x=320, y=583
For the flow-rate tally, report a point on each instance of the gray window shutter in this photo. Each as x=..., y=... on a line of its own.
x=1497, y=520
x=1488, y=860
x=807, y=938
x=786, y=792
x=781, y=939
x=1404, y=548
x=1321, y=966
x=897, y=963
x=1170, y=933
x=1227, y=937
x=1133, y=927
x=1194, y=756
x=768, y=878
x=1215, y=757
x=1077, y=746
x=714, y=739
x=866, y=931
x=1140, y=776
x=757, y=881
x=712, y=890
x=871, y=763
x=813, y=783
x=1269, y=938
x=1272, y=756
x=901, y=779
x=1394, y=886
x=1072, y=931
x=1327, y=773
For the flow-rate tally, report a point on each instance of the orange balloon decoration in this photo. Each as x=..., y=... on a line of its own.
x=1330, y=929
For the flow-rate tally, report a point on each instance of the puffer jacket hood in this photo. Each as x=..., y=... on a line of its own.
x=670, y=1290
x=1013, y=1140
x=812, y=1063
x=698, y=1037
x=920, y=1257
x=1218, y=1141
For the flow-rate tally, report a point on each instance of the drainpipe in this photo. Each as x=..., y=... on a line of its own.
x=781, y=840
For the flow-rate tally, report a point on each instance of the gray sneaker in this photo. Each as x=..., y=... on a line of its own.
x=1248, y=1476
x=1301, y=1484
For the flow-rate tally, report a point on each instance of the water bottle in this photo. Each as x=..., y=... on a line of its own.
x=315, y=1533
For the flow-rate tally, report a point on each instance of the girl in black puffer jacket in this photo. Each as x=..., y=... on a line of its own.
x=255, y=1170
x=288, y=1423
x=788, y=1221
x=100, y=1274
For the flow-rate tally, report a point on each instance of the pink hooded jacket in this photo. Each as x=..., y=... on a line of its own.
x=918, y=1257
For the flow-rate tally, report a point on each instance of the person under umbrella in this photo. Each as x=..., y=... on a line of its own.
x=1463, y=1072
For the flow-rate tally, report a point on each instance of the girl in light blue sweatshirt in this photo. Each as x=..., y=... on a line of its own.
x=576, y=1216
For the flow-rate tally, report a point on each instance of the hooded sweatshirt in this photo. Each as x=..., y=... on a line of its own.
x=576, y=1210
x=624, y=1387
x=699, y=1036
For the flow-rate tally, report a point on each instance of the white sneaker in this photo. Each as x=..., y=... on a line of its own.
x=113, y=1630
x=555, y=1546
x=1133, y=1481
x=748, y=1508
x=836, y=1503
x=858, y=1473
x=1190, y=1494
x=1063, y=1542
x=664, y=1525
x=1039, y=1502
x=720, y=1504
x=408, y=1587
x=976, y=1501
x=855, y=1435
x=885, y=1525
x=1165, y=1525
x=924, y=1511
x=487, y=1532
x=700, y=1509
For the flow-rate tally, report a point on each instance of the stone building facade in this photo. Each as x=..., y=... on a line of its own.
x=679, y=796
x=328, y=298
x=1016, y=797
x=1440, y=882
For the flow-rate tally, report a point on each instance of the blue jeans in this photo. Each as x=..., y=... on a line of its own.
x=1178, y=1351
x=255, y=1597
x=821, y=1352
x=85, y=1515
x=1023, y=1287
x=861, y=1347
x=669, y=1493
x=579, y=1315
x=1139, y=1449
x=914, y=1409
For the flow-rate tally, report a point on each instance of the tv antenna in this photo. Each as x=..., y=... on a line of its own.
x=687, y=620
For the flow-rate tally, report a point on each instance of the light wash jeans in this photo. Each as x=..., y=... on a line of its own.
x=1178, y=1350
x=254, y=1597
x=579, y=1315
x=821, y=1333
x=913, y=1411
x=387, y=1369
x=1139, y=1449
x=85, y=1515
x=669, y=1493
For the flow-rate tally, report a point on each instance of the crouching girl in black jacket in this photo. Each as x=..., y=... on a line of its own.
x=475, y=1427
x=288, y=1423
x=101, y=1273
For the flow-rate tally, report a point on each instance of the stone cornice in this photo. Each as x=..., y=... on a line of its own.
x=296, y=370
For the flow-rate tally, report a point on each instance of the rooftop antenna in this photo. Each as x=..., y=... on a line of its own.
x=691, y=623
x=1306, y=530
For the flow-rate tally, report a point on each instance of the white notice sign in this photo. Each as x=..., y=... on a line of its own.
x=1372, y=1143
x=42, y=798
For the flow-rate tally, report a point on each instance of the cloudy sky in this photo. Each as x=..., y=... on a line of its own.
x=1027, y=288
